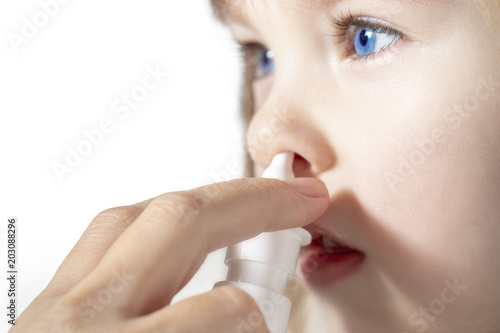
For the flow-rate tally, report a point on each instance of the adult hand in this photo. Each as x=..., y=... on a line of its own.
x=123, y=272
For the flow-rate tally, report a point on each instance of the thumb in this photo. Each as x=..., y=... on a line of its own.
x=224, y=309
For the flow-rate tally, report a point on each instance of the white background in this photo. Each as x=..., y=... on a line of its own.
x=64, y=80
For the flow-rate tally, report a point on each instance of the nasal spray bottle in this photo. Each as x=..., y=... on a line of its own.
x=261, y=266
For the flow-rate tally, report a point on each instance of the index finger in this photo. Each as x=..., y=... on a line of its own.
x=170, y=239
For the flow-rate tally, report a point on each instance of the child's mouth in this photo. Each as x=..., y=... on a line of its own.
x=325, y=260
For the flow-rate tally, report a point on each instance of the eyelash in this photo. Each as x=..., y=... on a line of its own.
x=249, y=54
x=346, y=24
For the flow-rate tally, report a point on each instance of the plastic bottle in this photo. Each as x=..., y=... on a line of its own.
x=261, y=266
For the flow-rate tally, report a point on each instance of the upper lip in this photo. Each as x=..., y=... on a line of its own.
x=329, y=225
x=317, y=231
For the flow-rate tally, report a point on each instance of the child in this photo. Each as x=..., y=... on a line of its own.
x=392, y=110
x=395, y=105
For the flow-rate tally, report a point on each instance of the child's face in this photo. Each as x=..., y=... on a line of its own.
x=397, y=110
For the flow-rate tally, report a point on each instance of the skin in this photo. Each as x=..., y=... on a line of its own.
x=353, y=123
x=350, y=124
x=131, y=260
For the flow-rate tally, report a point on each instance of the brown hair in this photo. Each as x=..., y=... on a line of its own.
x=491, y=9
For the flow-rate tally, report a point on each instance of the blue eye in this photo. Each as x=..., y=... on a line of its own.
x=265, y=62
x=368, y=41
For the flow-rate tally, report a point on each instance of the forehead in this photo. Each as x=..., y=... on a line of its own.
x=236, y=8
x=219, y=4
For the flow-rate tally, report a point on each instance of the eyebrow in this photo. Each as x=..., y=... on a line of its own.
x=225, y=8
x=236, y=9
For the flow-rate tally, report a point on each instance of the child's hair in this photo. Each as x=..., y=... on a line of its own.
x=306, y=314
x=491, y=9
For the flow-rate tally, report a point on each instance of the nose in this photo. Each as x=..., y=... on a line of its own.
x=289, y=123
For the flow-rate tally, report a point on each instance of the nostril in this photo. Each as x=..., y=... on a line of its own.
x=301, y=167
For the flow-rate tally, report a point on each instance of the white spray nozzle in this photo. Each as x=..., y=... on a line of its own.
x=261, y=266
x=281, y=167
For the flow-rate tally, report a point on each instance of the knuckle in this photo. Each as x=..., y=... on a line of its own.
x=181, y=205
x=117, y=216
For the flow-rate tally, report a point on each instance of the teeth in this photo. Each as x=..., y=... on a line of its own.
x=328, y=242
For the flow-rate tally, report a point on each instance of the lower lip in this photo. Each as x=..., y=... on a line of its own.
x=320, y=267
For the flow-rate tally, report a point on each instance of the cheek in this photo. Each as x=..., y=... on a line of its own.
x=427, y=171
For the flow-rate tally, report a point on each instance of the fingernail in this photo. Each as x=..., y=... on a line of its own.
x=309, y=187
